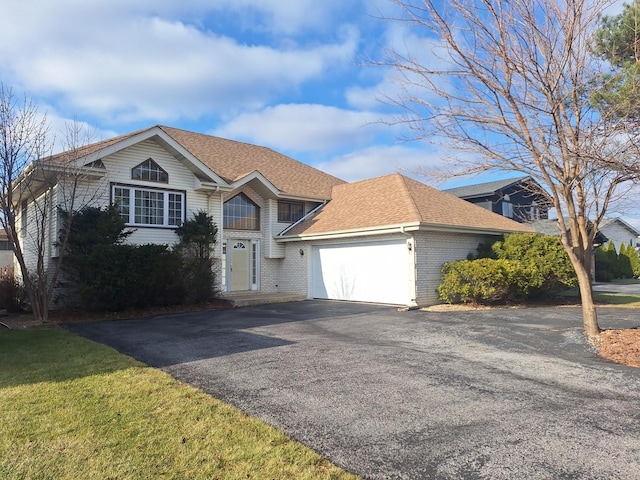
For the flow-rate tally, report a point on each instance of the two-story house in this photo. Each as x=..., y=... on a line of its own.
x=283, y=226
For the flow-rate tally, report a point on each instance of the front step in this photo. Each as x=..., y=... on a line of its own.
x=245, y=299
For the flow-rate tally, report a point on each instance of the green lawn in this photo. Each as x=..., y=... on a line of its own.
x=74, y=409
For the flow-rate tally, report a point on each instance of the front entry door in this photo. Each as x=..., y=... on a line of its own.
x=239, y=268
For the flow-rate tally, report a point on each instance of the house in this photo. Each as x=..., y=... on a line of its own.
x=521, y=199
x=283, y=225
x=620, y=232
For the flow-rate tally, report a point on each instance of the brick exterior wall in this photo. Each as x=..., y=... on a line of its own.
x=433, y=249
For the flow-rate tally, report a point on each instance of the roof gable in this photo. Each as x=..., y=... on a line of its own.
x=395, y=200
x=222, y=161
x=234, y=160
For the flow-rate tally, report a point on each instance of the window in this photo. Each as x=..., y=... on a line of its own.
x=507, y=207
x=145, y=206
x=240, y=213
x=289, y=212
x=150, y=171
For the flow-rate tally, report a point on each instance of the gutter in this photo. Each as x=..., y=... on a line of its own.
x=388, y=229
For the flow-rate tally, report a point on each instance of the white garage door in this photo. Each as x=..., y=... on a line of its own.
x=365, y=272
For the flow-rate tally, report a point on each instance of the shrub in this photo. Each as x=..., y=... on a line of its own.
x=522, y=266
x=543, y=256
x=13, y=296
x=626, y=259
x=606, y=263
x=481, y=281
x=197, y=237
x=109, y=275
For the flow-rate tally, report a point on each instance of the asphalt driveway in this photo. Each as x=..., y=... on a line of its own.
x=495, y=394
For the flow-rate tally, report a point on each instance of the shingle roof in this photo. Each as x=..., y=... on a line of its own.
x=395, y=200
x=233, y=160
x=486, y=188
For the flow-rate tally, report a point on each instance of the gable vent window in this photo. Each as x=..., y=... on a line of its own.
x=149, y=207
x=240, y=213
x=289, y=212
x=149, y=171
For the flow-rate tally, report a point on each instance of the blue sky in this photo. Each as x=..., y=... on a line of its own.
x=291, y=75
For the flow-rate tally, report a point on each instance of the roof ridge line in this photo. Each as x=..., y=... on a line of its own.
x=416, y=210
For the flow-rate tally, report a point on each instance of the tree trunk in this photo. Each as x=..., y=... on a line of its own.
x=589, y=315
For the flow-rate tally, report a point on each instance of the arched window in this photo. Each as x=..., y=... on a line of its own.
x=240, y=213
x=150, y=171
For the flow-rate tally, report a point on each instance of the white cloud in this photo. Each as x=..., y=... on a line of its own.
x=132, y=62
x=382, y=160
x=305, y=128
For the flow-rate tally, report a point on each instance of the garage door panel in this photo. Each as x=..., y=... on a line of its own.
x=367, y=272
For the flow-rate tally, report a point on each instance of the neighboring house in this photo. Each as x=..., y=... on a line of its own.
x=283, y=225
x=521, y=199
x=620, y=232
x=552, y=227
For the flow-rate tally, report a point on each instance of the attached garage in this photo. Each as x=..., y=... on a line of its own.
x=365, y=272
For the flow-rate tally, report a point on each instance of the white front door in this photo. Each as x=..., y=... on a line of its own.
x=239, y=268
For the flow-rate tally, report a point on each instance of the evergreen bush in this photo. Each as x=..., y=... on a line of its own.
x=521, y=266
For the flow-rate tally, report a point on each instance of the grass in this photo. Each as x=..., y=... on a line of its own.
x=72, y=409
x=626, y=281
x=617, y=299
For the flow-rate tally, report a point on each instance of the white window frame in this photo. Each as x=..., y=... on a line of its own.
x=131, y=216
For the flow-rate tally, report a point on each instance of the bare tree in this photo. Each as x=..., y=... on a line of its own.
x=35, y=184
x=506, y=85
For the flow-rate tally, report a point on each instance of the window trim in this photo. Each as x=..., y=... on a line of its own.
x=165, y=191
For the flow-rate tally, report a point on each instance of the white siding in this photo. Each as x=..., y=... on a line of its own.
x=619, y=234
x=119, y=167
x=97, y=193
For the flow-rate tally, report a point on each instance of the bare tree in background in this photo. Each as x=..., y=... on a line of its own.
x=507, y=86
x=35, y=184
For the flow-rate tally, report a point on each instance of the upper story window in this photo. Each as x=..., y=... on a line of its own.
x=507, y=207
x=240, y=213
x=149, y=207
x=150, y=171
x=289, y=212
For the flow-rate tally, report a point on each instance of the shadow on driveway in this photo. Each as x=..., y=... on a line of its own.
x=186, y=337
